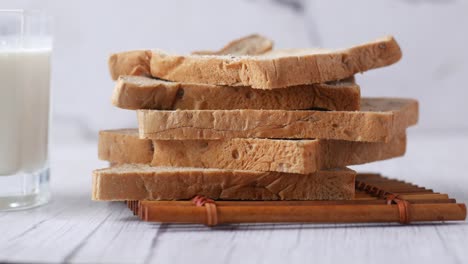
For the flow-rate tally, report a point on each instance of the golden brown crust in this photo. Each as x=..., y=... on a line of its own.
x=141, y=182
x=303, y=156
x=124, y=147
x=379, y=120
x=135, y=92
x=130, y=63
x=292, y=156
x=137, y=62
x=276, y=69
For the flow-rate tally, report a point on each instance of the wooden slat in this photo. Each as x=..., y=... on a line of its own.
x=369, y=205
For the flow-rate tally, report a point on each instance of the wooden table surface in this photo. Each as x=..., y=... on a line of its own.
x=74, y=229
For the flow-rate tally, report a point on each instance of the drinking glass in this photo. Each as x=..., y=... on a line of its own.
x=25, y=50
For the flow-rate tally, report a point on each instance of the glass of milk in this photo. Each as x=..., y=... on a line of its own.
x=25, y=49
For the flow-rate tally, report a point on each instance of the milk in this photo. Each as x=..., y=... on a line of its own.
x=24, y=109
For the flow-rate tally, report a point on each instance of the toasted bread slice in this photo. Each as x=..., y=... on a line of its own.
x=379, y=120
x=142, y=182
x=278, y=68
x=137, y=92
x=137, y=62
x=291, y=156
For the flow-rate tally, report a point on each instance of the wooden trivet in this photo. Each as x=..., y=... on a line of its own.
x=377, y=199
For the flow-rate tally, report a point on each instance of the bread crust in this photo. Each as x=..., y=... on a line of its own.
x=276, y=69
x=137, y=62
x=142, y=182
x=291, y=156
x=379, y=120
x=135, y=92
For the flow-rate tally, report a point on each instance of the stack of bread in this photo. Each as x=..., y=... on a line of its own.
x=249, y=123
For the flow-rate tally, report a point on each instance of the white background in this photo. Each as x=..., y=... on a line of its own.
x=433, y=35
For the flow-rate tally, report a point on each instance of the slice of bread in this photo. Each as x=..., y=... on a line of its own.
x=250, y=45
x=379, y=120
x=124, y=146
x=137, y=62
x=142, y=182
x=136, y=92
x=291, y=156
x=278, y=68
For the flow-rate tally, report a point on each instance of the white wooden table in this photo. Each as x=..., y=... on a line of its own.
x=73, y=229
